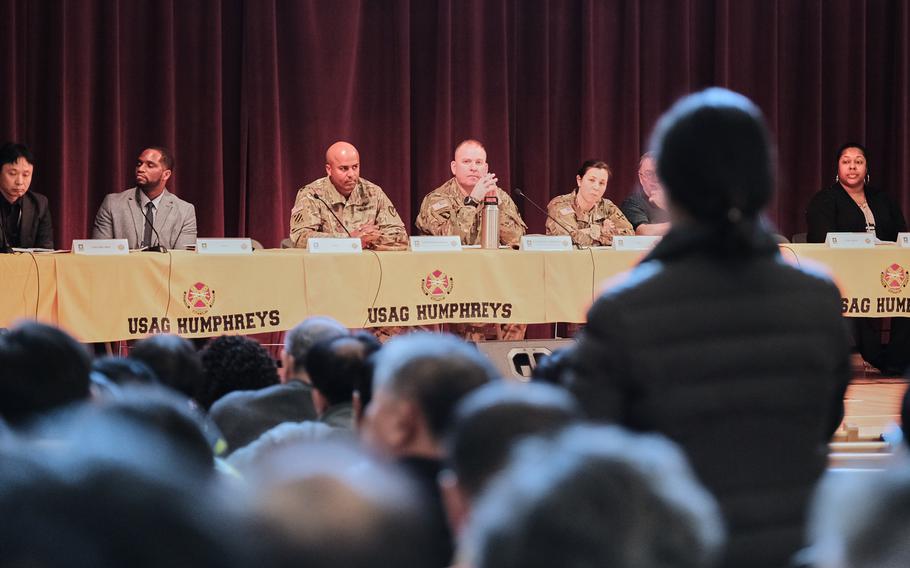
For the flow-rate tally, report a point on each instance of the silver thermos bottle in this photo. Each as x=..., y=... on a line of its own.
x=489, y=229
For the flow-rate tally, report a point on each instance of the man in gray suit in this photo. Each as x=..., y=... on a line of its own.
x=148, y=215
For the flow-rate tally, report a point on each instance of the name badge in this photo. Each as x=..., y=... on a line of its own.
x=850, y=240
x=435, y=244
x=545, y=243
x=903, y=240
x=333, y=245
x=224, y=246
x=100, y=247
x=636, y=242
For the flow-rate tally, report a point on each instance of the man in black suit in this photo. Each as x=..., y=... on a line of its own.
x=24, y=218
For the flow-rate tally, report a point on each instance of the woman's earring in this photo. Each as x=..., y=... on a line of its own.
x=867, y=179
x=836, y=178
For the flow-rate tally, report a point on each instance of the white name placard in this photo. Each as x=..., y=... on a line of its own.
x=636, y=242
x=850, y=240
x=333, y=245
x=903, y=239
x=545, y=243
x=224, y=246
x=435, y=244
x=100, y=247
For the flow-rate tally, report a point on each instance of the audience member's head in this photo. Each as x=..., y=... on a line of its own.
x=714, y=158
x=231, y=363
x=338, y=508
x=338, y=366
x=299, y=340
x=488, y=423
x=418, y=379
x=595, y=496
x=174, y=361
x=41, y=369
x=246, y=459
x=905, y=413
x=103, y=515
x=861, y=519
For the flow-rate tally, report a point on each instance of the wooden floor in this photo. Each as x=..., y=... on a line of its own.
x=871, y=408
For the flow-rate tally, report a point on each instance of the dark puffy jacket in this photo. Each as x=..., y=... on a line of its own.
x=743, y=361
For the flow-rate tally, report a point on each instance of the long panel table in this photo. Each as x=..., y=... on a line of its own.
x=124, y=297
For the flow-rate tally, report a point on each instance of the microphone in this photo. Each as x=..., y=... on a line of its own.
x=320, y=200
x=151, y=248
x=544, y=211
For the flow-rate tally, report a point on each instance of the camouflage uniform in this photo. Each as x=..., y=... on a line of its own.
x=587, y=228
x=443, y=212
x=366, y=204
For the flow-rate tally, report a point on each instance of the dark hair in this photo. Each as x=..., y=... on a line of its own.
x=714, y=158
x=595, y=496
x=550, y=369
x=433, y=369
x=595, y=165
x=231, y=363
x=174, y=361
x=41, y=368
x=104, y=515
x=166, y=157
x=845, y=145
x=310, y=331
x=10, y=153
x=337, y=366
x=492, y=419
x=122, y=371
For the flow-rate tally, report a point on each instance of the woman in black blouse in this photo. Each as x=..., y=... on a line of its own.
x=851, y=205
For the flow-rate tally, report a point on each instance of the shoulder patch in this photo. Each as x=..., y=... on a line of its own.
x=441, y=204
x=566, y=211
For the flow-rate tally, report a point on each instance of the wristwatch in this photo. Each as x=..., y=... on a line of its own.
x=471, y=201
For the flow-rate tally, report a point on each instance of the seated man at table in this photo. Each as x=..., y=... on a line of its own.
x=343, y=204
x=454, y=208
x=646, y=207
x=25, y=220
x=148, y=215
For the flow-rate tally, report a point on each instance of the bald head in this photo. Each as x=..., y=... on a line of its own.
x=342, y=164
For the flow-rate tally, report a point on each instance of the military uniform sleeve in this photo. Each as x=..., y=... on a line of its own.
x=511, y=226
x=557, y=209
x=440, y=216
x=306, y=219
x=622, y=224
x=104, y=220
x=391, y=228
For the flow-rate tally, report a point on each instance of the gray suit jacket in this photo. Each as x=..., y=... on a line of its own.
x=121, y=217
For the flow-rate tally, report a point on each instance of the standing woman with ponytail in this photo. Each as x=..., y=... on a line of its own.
x=851, y=205
x=716, y=342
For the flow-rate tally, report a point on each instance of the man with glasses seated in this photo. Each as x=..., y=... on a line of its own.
x=646, y=207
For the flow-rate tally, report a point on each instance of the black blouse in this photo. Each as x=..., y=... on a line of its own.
x=833, y=210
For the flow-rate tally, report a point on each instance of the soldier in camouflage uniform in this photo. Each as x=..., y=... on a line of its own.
x=591, y=219
x=455, y=208
x=365, y=210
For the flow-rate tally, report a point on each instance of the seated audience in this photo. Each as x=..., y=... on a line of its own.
x=122, y=372
x=584, y=213
x=595, y=497
x=335, y=367
x=850, y=204
x=418, y=380
x=41, y=369
x=861, y=519
x=231, y=363
x=716, y=342
x=245, y=415
x=174, y=361
x=488, y=424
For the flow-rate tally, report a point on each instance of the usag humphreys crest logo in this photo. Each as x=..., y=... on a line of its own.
x=437, y=285
x=895, y=278
x=199, y=299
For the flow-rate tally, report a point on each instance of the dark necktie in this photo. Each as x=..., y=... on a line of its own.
x=149, y=216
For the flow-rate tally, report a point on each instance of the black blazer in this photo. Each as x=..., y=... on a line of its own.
x=832, y=210
x=35, y=228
